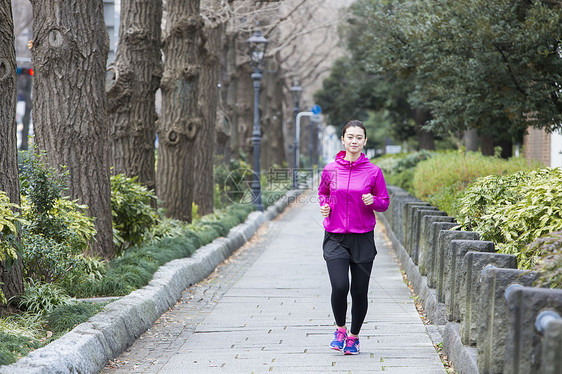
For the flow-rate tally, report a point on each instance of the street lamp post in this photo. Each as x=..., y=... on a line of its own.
x=257, y=45
x=296, y=91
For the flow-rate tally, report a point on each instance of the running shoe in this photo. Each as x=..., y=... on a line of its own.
x=339, y=339
x=351, y=346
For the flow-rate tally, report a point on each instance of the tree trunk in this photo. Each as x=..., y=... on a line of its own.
x=273, y=148
x=471, y=140
x=137, y=71
x=486, y=145
x=11, y=281
x=203, y=193
x=245, y=110
x=425, y=138
x=69, y=54
x=181, y=120
x=229, y=100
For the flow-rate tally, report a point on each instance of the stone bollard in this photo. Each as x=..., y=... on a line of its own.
x=433, y=247
x=424, y=242
x=397, y=201
x=407, y=223
x=525, y=347
x=493, y=316
x=396, y=194
x=416, y=229
x=552, y=348
x=469, y=296
x=443, y=242
x=452, y=273
x=413, y=224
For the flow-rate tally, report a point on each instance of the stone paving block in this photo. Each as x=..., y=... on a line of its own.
x=425, y=244
x=443, y=243
x=524, y=344
x=432, y=254
x=453, y=260
x=493, y=316
x=469, y=297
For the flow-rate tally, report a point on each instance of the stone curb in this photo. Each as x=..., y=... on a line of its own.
x=90, y=345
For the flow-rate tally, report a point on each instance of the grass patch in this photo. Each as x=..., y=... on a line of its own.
x=65, y=317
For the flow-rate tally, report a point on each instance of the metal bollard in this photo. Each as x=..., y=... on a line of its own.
x=510, y=289
x=544, y=318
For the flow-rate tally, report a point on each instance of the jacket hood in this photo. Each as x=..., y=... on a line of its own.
x=361, y=160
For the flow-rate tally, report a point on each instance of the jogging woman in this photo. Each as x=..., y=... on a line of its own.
x=351, y=190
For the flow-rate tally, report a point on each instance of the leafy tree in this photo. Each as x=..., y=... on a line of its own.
x=489, y=65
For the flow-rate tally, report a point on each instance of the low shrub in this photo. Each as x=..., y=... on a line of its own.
x=514, y=210
x=399, y=170
x=548, y=259
x=9, y=220
x=133, y=216
x=453, y=171
x=41, y=298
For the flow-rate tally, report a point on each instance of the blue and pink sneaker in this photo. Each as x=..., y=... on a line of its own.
x=351, y=346
x=339, y=339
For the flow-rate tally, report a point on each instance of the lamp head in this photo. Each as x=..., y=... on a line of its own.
x=257, y=45
x=296, y=90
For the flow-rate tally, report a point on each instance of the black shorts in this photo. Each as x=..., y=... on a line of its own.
x=358, y=248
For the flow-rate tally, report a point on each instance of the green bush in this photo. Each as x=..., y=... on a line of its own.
x=40, y=298
x=46, y=260
x=399, y=170
x=133, y=216
x=231, y=182
x=9, y=221
x=58, y=229
x=514, y=210
x=453, y=171
x=548, y=264
x=42, y=186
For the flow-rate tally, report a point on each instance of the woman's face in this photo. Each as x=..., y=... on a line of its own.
x=354, y=139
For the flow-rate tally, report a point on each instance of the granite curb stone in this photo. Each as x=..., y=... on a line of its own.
x=90, y=345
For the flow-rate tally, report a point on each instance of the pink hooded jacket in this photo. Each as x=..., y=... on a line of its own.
x=342, y=185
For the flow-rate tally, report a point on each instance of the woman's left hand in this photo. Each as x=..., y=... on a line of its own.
x=367, y=199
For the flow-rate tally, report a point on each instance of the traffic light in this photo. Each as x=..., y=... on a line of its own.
x=24, y=71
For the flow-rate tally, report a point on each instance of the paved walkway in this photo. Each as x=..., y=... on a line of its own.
x=267, y=309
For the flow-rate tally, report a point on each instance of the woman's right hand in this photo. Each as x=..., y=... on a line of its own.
x=325, y=210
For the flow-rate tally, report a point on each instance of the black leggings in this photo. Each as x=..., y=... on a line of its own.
x=338, y=269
